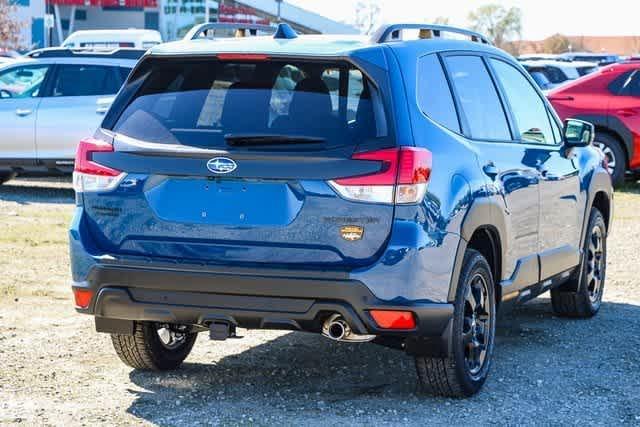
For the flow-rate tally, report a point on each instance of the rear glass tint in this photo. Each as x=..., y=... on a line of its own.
x=478, y=98
x=200, y=102
x=434, y=95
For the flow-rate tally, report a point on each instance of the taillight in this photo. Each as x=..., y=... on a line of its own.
x=402, y=178
x=89, y=175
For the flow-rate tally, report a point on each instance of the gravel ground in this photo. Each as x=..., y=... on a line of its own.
x=56, y=370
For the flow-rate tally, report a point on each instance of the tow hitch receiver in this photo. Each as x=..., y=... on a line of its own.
x=221, y=330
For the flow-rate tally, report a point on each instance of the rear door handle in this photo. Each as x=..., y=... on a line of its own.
x=490, y=170
x=23, y=112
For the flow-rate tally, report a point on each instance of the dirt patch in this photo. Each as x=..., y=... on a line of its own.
x=57, y=370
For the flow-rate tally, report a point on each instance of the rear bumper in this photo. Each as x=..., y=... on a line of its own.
x=256, y=300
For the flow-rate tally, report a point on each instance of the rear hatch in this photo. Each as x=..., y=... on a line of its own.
x=229, y=160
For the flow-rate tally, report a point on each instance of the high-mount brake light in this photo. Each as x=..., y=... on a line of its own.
x=402, y=179
x=90, y=176
x=242, y=57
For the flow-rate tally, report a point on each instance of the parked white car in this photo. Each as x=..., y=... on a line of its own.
x=538, y=57
x=550, y=74
x=111, y=39
x=53, y=99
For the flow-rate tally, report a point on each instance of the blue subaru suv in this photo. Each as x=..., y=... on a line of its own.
x=398, y=189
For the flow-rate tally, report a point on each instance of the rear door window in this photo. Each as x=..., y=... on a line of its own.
x=583, y=71
x=434, y=96
x=478, y=98
x=632, y=86
x=618, y=85
x=85, y=80
x=207, y=102
x=556, y=75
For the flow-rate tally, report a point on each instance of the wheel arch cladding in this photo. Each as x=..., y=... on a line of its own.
x=483, y=230
x=486, y=240
x=602, y=202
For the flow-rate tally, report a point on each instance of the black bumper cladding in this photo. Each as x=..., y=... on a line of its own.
x=124, y=294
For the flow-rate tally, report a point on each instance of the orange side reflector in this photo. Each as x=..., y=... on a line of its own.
x=83, y=297
x=392, y=319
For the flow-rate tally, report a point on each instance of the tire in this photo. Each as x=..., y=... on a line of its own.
x=146, y=350
x=458, y=375
x=581, y=296
x=6, y=176
x=616, y=157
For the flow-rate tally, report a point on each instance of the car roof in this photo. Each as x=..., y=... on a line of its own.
x=594, y=54
x=559, y=64
x=131, y=31
x=538, y=56
x=17, y=61
x=315, y=45
x=308, y=45
x=129, y=63
x=621, y=65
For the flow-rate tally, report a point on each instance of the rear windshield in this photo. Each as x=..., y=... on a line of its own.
x=583, y=71
x=205, y=103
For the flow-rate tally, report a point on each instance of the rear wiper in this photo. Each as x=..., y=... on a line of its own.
x=237, y=140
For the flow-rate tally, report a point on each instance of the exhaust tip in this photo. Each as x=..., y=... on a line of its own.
x=336, y=330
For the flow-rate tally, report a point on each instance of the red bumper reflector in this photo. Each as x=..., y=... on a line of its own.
x=83, y=297
x=392, y=319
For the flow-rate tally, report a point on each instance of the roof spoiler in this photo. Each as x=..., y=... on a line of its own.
x=393, y=32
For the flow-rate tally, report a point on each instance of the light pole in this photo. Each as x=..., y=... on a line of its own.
x=279, y=2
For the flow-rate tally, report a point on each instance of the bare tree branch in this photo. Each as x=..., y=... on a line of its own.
x=10, y=27
x=367, y=15
x=498, y=23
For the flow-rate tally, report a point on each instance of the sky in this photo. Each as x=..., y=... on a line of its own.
x=540, y=18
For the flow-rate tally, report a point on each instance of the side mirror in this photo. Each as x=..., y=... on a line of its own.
x=578, y=133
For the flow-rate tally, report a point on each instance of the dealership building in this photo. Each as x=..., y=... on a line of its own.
x=48, y=22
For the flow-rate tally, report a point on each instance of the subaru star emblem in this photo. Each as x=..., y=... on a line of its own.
x=221, y=165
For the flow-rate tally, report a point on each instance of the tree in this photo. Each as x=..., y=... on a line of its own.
x=10, y=28
x=498, y=23
x=367, y=15
x=557, y=43
x=441, y=20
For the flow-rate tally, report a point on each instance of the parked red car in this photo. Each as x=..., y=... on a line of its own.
x=610, y=99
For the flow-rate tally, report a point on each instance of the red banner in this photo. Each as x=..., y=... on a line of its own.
x=239, y=15
x=128, y=4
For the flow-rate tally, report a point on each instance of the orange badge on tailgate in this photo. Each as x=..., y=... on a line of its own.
x=351, y=232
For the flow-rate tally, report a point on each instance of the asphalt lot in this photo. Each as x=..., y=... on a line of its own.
x=56, y=370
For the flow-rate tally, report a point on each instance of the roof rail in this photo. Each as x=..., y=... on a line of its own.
x=393, y=32
x=241, y=30
x=63, y=52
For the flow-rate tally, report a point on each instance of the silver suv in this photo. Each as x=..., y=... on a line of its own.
x=50, y=100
